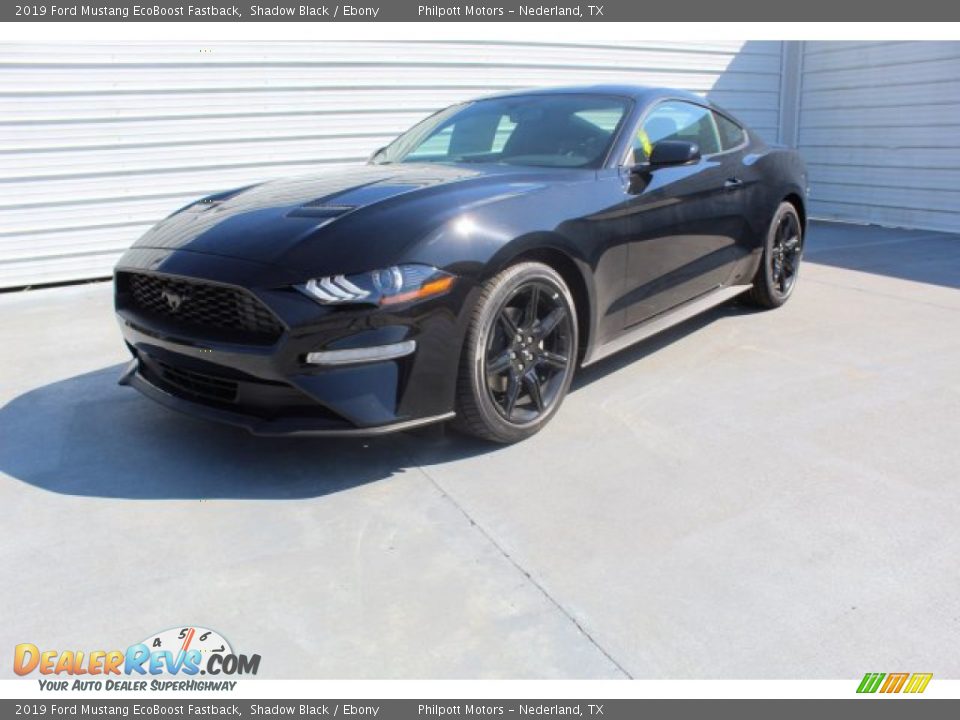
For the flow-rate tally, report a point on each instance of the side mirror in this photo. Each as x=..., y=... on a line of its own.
x=674, y=152
x=671, y=152
x=375, y=155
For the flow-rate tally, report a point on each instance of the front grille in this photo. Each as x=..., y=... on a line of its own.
x=199, y=385
x=199, y=305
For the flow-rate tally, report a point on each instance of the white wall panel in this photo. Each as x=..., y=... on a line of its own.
x=880, y=131
x=99, y=141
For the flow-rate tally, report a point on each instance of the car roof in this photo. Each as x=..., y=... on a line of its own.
x=642, y=93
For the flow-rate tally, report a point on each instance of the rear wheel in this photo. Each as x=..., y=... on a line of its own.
x=780, y=264
x=519, y=356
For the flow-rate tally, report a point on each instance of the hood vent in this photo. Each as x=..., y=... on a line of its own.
x=320, y=209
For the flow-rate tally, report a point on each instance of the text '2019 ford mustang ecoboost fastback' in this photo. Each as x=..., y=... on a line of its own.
x=466, y=270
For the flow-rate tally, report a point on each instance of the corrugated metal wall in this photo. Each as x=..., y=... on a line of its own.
x=879, y=127
x=97, y=142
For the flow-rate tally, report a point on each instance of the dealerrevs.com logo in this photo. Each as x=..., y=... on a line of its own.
x=170, y=660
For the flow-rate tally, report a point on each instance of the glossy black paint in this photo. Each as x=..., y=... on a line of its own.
x=631, y=242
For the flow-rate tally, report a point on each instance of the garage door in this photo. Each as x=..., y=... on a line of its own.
x=99, y=141
x=879, y=127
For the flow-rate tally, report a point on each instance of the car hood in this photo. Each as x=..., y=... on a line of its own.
x=351, y=217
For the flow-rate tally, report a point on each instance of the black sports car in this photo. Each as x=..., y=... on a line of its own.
x=466, y=270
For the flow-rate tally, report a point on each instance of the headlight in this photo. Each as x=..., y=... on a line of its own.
x=389, y=286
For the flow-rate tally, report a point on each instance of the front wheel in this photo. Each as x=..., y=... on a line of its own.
x=780, y=263
x=519, y=356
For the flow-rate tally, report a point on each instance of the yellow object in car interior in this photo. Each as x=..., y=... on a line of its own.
x=645, y=142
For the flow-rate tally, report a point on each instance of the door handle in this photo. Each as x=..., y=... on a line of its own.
x=732, y=183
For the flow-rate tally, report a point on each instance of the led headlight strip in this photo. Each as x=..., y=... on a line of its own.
x=336, y=289
x=389, y=286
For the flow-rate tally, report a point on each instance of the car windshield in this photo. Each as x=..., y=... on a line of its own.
x=563, y=130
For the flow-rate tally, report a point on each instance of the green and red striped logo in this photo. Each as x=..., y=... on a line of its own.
x=894, y=682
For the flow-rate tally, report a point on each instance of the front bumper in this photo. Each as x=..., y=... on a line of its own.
x=317, y=426
x=269, y=388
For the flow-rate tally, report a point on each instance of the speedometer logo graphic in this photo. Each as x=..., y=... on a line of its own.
x=185, y=639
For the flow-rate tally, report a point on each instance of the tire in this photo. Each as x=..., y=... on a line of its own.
x=519, y=355
x=776, y=277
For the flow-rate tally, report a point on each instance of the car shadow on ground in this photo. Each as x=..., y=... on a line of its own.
x=87, y=436
x=635, y=353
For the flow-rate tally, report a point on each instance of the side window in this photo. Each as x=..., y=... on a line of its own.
x=731, y=134
x=675, y=120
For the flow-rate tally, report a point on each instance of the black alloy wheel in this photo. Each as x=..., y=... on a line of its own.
x=528, y=352
x=520, y=354
x=779, y=268
x=785, y=255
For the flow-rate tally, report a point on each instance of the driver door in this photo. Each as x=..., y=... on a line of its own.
x=683, y=221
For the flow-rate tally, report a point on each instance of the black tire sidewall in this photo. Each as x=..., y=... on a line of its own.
x=501, y=289
x=773, y=298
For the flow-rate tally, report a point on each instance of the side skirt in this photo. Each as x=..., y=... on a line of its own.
x=664, y=320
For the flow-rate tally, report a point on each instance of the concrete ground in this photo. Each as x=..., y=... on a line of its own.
x=752, y=495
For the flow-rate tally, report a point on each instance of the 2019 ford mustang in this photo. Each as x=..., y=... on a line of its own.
x=466, y=270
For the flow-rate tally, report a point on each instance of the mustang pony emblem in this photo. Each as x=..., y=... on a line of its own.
x=173, y=299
